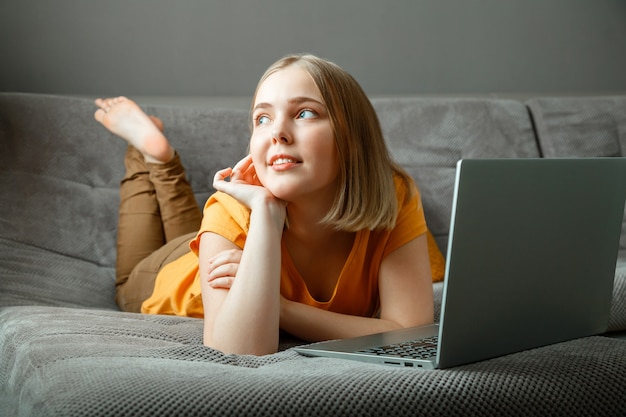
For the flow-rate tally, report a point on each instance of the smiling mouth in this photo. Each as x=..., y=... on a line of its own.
x=283, y=161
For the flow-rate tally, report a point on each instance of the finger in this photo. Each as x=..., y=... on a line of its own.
x=243, y=164
x=249, y=174
x=226, y=256
x=225, y=283
x=240, y=168
x=225, y=263
x=222, y=174
x=246, y=172
x=223, y=271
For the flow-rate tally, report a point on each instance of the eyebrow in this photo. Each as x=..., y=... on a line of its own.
x=294, y=100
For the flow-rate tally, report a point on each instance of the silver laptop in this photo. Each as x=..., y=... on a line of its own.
x=531, y=262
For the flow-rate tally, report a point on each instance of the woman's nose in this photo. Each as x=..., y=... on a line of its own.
x=281, y=135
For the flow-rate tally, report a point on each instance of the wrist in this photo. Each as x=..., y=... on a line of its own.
x=270, y=209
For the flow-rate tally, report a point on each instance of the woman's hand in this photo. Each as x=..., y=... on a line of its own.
x=223, y=267
x=243, y=184
x=245, y=187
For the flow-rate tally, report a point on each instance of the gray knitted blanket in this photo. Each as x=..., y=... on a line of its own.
x=71, y=362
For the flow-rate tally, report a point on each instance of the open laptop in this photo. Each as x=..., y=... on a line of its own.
x=531, y=262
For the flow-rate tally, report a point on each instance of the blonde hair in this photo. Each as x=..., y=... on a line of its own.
x=366, y=195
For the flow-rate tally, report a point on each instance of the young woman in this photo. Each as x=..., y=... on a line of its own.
x=316, y=232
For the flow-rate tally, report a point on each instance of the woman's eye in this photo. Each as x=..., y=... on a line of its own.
x=261, y=120
x=306, y=114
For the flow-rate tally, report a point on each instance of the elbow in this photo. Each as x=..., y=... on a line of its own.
x=240, y=348
x=424, y=318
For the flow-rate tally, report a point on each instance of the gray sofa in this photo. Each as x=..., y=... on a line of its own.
x=66, y=349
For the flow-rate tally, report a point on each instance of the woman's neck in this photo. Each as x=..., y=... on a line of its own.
x=304, y=222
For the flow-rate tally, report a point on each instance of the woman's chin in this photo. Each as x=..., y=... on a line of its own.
x=282, y=194
x=286, y=192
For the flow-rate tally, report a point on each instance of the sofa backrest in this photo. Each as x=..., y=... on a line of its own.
x=60, y=171
x=59, y=180
x=428, y=136
x=581, y=127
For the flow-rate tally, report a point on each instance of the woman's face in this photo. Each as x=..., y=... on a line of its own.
x=293, y=146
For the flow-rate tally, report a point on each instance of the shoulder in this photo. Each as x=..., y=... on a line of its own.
x=225, y=216
x=410, y=210
x=406, y=190
x=221, y=206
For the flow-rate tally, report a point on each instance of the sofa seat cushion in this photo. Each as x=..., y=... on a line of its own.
x=617, y=319
x=61, y=361
x=31, y=275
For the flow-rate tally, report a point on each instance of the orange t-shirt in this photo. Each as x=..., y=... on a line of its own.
x=177, y=287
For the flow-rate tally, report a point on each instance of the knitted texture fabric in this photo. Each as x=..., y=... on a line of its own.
x=68, y=362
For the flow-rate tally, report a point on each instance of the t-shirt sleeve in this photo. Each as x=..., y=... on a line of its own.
x=226, y=217
x=411, y=222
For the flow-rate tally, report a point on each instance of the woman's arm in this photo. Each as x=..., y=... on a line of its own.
x=406, y=299
x=245, y=318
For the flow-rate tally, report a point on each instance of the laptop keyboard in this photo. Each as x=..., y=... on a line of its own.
x=414, y=349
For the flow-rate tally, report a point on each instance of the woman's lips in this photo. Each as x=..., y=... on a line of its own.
x=283, y=162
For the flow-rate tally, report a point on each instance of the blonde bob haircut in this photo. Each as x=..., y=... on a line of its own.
x=366, y=194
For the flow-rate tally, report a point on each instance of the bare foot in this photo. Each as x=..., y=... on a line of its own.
x=125, y=118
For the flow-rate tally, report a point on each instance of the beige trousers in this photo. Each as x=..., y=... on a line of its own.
x=158, y=217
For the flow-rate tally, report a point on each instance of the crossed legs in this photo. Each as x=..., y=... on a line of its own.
x=158, y=213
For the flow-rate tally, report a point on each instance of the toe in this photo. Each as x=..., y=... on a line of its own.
x=99, y=115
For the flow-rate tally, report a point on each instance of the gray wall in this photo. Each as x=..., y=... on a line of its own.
x=221, y=47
